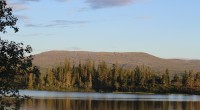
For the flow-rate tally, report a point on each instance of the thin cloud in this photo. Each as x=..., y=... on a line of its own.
x=30, y=0
x=23, y=18
x=21, y=1
x=17, y=6
x=40, y=0
x=144, y=18
x=58, y=23
x=61, y=0
x=83, y=9
x=33, y=25
x=69, y=22
x=95, y=4
x=33, y=35
x=74, y=49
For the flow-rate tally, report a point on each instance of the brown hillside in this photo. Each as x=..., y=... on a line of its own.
x=127, y=59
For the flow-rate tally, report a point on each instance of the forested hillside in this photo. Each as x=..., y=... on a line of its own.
x=114, y=72
x=127, y=59
x=104, y=78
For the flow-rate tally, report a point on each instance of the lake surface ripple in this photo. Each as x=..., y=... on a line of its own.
x=53, y=100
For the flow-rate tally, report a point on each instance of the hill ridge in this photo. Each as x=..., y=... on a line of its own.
x=125, y=59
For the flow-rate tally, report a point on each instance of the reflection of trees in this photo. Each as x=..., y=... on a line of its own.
x=88, y=104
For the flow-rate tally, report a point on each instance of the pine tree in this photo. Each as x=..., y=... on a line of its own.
x=115, y=73
x=190, y=79
x=137, y=76
x=165, y=78
x=176, y=81
x=30, y=81
x=41, y=82
x=49, y=78
x=90, y=81
x=197, y=79
x=68, y=80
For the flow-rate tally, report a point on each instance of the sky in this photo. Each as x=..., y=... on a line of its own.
x=164, y=28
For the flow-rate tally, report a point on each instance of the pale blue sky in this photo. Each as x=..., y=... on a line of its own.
x=164, y=28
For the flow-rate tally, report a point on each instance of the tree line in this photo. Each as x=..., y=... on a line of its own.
x=105, y=78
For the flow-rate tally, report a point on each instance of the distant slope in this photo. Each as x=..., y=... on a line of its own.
x=127, y=59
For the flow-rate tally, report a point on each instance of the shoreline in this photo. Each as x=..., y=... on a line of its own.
x=115, y=92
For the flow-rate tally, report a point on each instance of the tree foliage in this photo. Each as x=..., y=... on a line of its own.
x=105, y=78
x=6, y=17
x=15, y=63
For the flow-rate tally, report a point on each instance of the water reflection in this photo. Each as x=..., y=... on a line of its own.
x=109, y=96
x=88, y=104
x=52, y=100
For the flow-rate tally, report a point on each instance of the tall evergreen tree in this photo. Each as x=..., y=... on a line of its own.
x=30, y=81
x=115, y=70
x=165, y=78
x=137, y=76
x=176, y=81
x=197, y=79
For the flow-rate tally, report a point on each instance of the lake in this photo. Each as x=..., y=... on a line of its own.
x=52, y=100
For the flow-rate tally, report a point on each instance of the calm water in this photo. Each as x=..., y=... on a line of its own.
x=44, y=100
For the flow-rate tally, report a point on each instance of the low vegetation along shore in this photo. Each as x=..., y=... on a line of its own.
x=89, y=77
